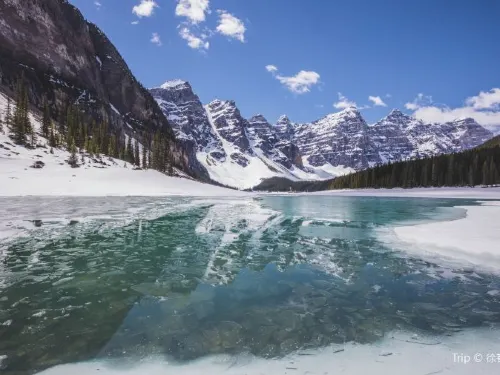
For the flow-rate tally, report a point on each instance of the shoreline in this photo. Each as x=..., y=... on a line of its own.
x=398, y=352
x=474, y=238
x=442, y=192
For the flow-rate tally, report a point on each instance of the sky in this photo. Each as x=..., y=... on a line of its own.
x=436, y=60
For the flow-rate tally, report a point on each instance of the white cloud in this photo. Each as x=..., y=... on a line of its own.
x=98, y=5
x=155, y=39
x=194, y=41
x=485, y=100
x=484, y=108
x=194, y=10
x=377, y=101
x=344, y=103
x=145, y=8
x=271, y=68
x=420, y=101
x=300, y=83
x=135, y=22
x=231, y=26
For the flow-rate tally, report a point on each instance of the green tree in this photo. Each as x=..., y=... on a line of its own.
x=52, y=136
x=21, y=123
x=144, y=156
x=73, y=159
x=46, y=120
x=137, y=158
x=129, y=151
x=8, y=115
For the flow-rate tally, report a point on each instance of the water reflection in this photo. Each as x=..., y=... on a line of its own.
x=188, y=278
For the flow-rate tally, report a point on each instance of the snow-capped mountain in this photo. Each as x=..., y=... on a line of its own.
x=340, y=139
x=235, y=151
x=241, y=153
x=185, y=111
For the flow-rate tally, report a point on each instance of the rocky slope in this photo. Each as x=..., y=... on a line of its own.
x=240, y=152
x=68, y=60
x=235, y=151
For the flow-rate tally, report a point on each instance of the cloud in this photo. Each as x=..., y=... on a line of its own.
x=484, y=108
x=485, y=100
x=419, y=101
x=135, y=22
x=377, y=101
x=231, y=26
x=194, y=10
x=300, y=83
x=344, y=103
x=155, y=39
x=194, y=41
x=98, y=5
x=271, y=68
x=145, y=8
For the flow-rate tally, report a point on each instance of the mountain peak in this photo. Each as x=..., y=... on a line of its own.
x=283, y=120
x=173, y=84
x=258, y=118
x=396, y=113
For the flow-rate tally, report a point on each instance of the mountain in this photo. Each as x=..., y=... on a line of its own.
x=67, y=60
x=242, y=153
x=493, y=142
x=235, y=151
x=339, y=139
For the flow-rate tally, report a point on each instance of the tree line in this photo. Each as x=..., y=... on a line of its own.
x=478, y=166
x=80, y=136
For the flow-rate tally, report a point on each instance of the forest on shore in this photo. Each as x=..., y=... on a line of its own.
x=478, y=166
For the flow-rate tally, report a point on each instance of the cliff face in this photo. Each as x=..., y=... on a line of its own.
x=69, y=60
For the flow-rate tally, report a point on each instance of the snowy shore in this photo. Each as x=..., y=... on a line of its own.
x=475, y=238
x=95, y=177
x=445, y=192
x=398, y=353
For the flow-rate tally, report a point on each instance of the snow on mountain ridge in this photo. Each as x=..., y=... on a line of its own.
x=336, y=144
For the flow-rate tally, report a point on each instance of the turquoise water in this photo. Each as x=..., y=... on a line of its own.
x=129, y=278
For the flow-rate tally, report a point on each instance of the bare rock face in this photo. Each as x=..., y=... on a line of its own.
x=273, y=142
x=67, y=59
x=309, y=150
x=229, y=123
x=340, y=139
x=188, y=117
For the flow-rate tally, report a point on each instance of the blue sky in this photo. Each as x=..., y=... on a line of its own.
x=435, y=59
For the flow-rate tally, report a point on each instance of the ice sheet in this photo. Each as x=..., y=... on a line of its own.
x=397, y=354
x=475, y=238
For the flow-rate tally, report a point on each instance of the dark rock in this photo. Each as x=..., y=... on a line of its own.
x=67, y=59
x=38, y=164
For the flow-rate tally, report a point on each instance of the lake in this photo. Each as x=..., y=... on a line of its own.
x=127, y=278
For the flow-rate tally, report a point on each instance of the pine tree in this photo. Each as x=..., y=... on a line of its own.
x=112, y=146
x=8, y=115
x=129, y=151
x=52, y=136
x=73, y=159
x=33, y=137
x=20, y=122
x=46, y=120
x=137, y=158
x=144, y=157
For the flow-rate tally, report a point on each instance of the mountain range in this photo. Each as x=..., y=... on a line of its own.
x=67, y=60
x=241, y=152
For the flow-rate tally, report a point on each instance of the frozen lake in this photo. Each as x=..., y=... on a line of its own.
x=169, y=282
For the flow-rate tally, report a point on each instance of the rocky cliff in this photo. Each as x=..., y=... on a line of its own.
x=66, y=60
